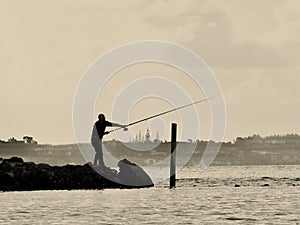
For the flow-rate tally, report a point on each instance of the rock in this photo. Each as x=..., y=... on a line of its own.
x=14, y=159
x=266, y=178
x=266, y=185
x=236, y=185
x=132, y=175
x=17, y=175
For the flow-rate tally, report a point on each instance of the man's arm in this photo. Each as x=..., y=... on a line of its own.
x=110, y=124
x=117, y=125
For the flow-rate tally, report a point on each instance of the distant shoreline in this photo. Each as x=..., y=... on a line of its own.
x=254, y=150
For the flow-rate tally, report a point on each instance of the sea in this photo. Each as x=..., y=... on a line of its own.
x=218, y=195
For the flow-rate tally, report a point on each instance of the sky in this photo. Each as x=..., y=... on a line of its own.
x=252, y=47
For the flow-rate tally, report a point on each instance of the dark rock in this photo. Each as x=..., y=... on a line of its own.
x=266, y=185
x=14, y=159
x=266, y=178
x=16, y=175
x=133, y=175
x=236, y=185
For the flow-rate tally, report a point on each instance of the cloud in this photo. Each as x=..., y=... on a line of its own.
x=230, y=35
x=216, y=42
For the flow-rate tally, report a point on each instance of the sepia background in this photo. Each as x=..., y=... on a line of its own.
x=252, y=47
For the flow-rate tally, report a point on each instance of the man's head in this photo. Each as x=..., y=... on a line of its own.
x=101, y=117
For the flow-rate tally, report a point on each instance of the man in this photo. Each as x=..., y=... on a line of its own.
x=97, y=135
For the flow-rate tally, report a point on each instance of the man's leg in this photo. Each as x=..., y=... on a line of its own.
x=100, y=155
x=98, y=160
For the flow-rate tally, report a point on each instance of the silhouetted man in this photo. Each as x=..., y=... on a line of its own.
x=97, y=135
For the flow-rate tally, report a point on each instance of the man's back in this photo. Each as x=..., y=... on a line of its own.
x=99, y=129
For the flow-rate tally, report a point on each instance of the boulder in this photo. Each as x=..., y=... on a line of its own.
x=14, y=160
x=132, y=175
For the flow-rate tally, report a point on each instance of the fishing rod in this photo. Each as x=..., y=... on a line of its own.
x=159, y=114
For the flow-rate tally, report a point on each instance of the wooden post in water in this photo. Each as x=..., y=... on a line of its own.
x=173, y=156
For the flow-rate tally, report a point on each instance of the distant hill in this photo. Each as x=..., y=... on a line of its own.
x=252, y=150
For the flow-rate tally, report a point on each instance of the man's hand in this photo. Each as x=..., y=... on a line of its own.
x=124, y=128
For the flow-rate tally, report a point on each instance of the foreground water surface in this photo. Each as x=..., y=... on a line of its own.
x=266, y=195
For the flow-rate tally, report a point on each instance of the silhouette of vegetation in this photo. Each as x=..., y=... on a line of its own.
x=251, y=150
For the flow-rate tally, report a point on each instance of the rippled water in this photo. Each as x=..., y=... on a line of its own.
x=267, y=195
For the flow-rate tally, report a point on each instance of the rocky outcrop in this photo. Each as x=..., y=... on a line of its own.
x=130, y=171
x=17, y=175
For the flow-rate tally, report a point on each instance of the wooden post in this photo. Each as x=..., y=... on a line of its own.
x=173, y=156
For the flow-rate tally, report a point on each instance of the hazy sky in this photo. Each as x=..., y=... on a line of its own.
x=253, y=47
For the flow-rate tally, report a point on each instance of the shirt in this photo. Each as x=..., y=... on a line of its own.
x=99, y=129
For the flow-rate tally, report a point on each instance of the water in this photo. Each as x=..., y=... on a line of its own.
x=200, y=198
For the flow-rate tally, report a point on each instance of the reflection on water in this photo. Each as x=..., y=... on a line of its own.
x=207, y=197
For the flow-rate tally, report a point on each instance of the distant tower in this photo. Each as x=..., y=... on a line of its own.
x=136, y=138
x=156, y=140
x=140, y=136
x=147, y=136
